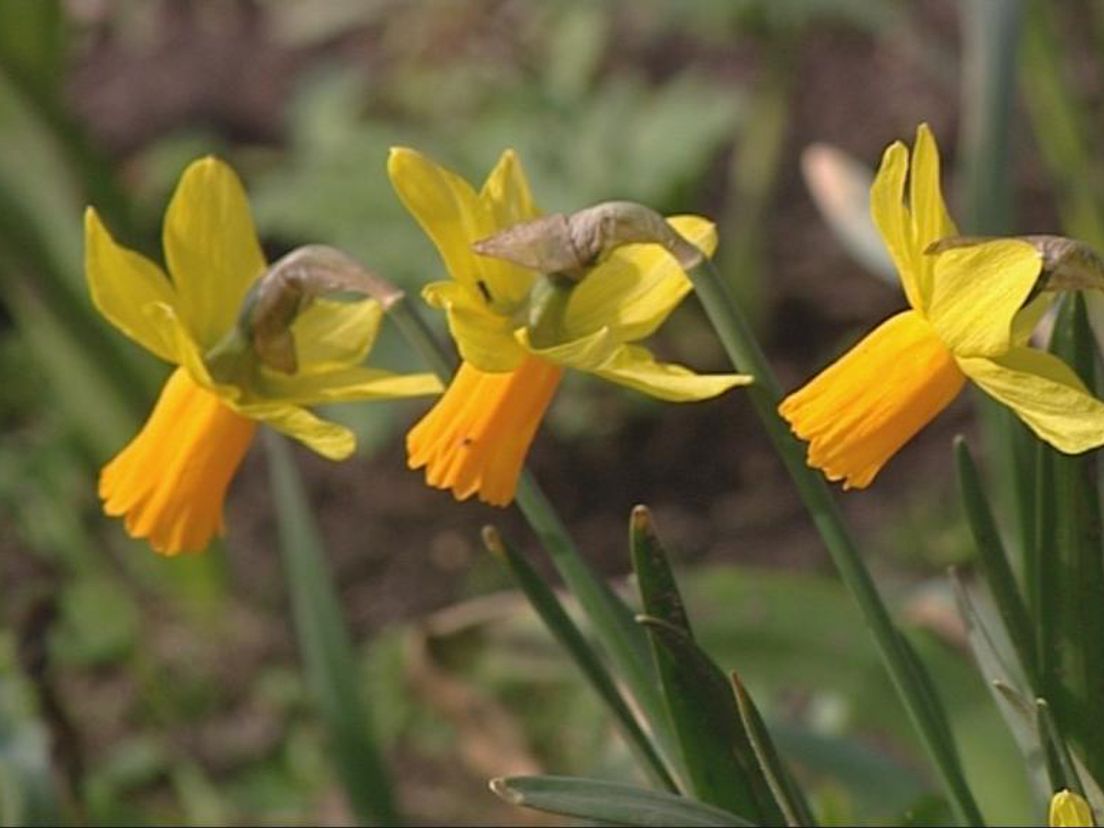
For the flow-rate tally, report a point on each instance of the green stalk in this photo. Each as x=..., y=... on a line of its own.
x=765, y=394
x=324, y=644
x=991, y=34
x=995, y=563
x=623, y=640
x=559, y=623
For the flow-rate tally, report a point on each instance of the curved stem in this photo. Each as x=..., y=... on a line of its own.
x=911, y=682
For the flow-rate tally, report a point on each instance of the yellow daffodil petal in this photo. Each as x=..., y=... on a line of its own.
x=211, y=248
x=1045, y=393
x=454, y=216
x=977, y=292
x=186, y=351
x=887, y=208
x=122, y=284
x=634, y=290
x=330, y=334
x=636, y=367
x=859, y=411
x=485, y=339
x=1028, y=319
x=1069, y=810
x=346, y=384
x=170, y=481
x=930, y=221
x=474, y=440
x=332, y=441
x=506, y=192
x=584, y=354
x=633, y=366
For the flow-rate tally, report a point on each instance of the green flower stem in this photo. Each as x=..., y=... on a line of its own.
x=765, y=394
x=559, y=623
x=329, y=658
x=623, y=640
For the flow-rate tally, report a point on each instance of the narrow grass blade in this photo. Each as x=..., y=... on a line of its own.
x=659, y=593
x=991, y=31
x=609, y=802
x=720, y=762
x=1074, y=564
x=994, y=657
x=1064, y=129
x=1024, y=717
x=559, y=623
x=612, y=621
x=988, y=645
x=994, y=560
x=1060, y=767
x=753, y=177
x=324, y=643
x=785, y=789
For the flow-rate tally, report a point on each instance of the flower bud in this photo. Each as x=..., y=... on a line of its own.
x=1070, y=810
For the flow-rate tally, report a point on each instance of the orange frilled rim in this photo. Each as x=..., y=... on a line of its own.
x=474, y=440
x=170, y=481
x=858, y=412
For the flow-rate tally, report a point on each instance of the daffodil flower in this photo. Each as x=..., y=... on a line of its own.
x=1069, y=810
x=169, y=482
x=967, y=320
x=475, y=439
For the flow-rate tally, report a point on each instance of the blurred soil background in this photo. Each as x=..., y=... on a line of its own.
x=171, y=690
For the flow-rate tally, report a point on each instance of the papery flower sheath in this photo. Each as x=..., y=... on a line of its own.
x=475, y=439
x=169, y=483
x=970, y=318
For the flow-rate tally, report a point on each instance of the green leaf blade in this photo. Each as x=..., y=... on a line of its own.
x=609, y=802
x=559, y=623
x=324, y=644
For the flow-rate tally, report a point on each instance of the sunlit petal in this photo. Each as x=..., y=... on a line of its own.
x=329, y=334
x=474, y=440
x=887, y=208
x=636, y=288
x=346, y=384
x=454, y=216
x=977, y=292
x=211, y=248
x=1045, y=393
x=484, y=338
x=170, y=481
x=858, y=412
x=332, y=441
x=637, y=368
x=930, y=221
x=122, y=284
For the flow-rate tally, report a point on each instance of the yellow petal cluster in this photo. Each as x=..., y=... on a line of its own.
x=169, y=482
x=967, y=320
x=623, y=299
